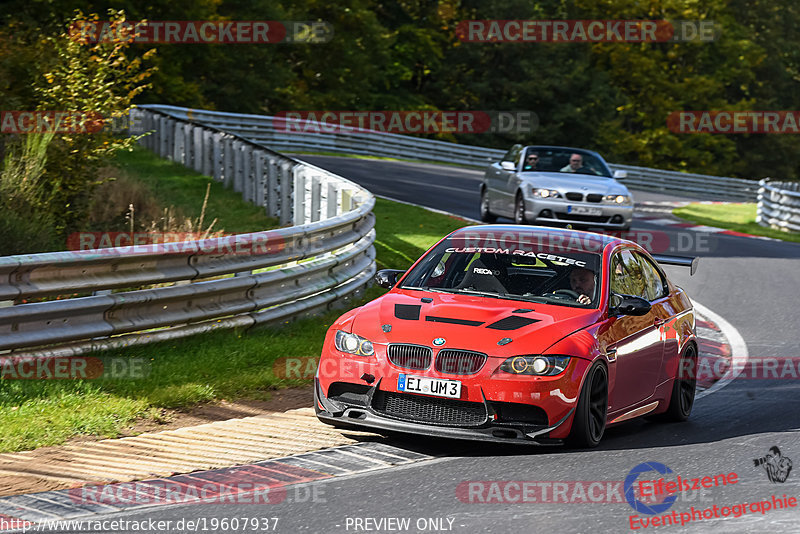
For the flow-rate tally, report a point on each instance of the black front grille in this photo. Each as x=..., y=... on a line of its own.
x=594, y=197
x=582, y=218
x=459, y=362
x=575, y=196
x=432, y=410
x=410, y=356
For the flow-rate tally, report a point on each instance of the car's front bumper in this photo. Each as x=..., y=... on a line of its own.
x=361, y=414
x=561, y=211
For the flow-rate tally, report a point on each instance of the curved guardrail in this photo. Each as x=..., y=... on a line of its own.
x=779, y=205
x=326, y=257
x=307, y=136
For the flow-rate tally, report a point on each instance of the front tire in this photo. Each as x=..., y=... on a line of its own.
x=589, y=422
x=519, y=210
x=683, y=388
x=486, y=215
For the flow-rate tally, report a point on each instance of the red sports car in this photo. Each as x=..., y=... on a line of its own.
x=514, y=334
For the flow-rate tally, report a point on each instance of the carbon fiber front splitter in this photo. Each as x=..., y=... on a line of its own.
x=356, y=417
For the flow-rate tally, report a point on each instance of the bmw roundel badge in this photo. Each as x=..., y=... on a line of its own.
x=439, y=341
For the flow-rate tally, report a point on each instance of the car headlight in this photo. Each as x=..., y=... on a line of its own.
x=353, y=344
x=618, y=199
x=545, y=193
x=535, y=365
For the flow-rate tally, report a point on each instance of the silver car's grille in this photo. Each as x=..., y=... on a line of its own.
x=575, y=197
x=459, y=362
x=410, y=356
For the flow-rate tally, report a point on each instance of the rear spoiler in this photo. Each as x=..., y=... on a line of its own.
x=683, y=261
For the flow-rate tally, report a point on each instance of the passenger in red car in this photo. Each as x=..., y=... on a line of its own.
x=581, y=281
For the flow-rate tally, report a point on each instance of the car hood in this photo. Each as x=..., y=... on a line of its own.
x=565, y=182
x=465, y=322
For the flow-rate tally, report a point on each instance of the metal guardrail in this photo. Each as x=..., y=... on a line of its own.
x=306, y=136
x=327, y=256
x=779, y=205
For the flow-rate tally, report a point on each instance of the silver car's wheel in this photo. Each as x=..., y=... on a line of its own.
x=486, y=215
x=519, y=211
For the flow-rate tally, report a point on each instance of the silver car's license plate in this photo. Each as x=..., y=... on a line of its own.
x=583, y=210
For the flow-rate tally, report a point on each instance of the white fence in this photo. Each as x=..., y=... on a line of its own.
x=306, y=136
x=779, y=205
x=326, y=258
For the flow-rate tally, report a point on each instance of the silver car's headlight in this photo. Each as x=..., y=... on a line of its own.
x=618, y=199
x=545, y=193
x=353, y=344
x=535, y=365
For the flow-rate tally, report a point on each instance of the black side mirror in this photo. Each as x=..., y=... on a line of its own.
x=387, y=278
x=628, y=305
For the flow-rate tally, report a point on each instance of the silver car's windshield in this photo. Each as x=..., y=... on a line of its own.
x=565, y=161
x=517, y=271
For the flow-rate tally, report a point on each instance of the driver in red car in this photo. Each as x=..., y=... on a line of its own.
x=581, y=280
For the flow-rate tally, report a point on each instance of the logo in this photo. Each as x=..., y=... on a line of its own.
x=439, y=341
x=630, y=489
x=776, y=465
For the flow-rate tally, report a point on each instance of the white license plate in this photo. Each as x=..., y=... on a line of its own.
x=429, y=386
x=583, y=210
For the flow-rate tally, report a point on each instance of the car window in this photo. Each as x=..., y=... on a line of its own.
x=627, y=277
x=518, y=270
x=513, y=154
x=654, y=283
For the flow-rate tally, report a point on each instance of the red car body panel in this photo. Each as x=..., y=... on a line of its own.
x=648, y=350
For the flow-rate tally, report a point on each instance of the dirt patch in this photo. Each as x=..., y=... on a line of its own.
x=280, y=401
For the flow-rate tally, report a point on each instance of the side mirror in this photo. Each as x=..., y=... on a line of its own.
x=627, y=305
x=620, y=174
x=508, y=166
x=387, y=278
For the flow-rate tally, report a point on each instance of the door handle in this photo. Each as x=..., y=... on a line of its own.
x=658, y=322
x=611, y=355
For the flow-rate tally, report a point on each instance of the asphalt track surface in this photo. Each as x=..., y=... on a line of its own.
x=754, y=284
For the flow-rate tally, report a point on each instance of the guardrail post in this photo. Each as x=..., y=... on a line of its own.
x=299, y=177
x=197, y=148
x=227, y=161
x=332, y=200
x=208, y=151
x=187, y=146
x=259, y=179
x=316, y=199
x=247, y=178
x=178, y=145
x=286, y=186
x=237, y=166
x=272, y=192
x=216, y=154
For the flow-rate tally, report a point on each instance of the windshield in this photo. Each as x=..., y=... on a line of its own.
x=518, y=271
x=567, y=161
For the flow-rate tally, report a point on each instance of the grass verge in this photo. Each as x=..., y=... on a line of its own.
x=736, y=217
x=173, y=184
x=223, y=365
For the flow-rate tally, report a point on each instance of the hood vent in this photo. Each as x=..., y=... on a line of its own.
x=512, y=323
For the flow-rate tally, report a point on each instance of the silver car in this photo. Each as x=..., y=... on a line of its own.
x=549, y=184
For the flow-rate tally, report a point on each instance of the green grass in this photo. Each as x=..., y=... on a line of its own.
x=230, y=365
x=185, y=189
x=736, y=217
